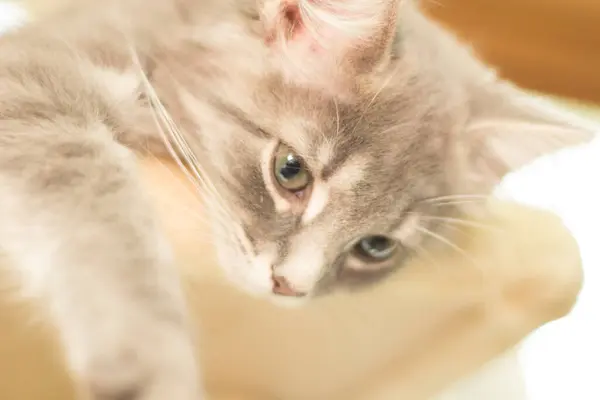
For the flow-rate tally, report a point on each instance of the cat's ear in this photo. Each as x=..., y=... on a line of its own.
x=328, y=41
x=508, y=129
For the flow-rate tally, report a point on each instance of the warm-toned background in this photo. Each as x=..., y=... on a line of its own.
x=546, y=45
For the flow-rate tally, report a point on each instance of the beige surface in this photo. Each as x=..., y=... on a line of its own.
x=29, y=367
x=347, y=347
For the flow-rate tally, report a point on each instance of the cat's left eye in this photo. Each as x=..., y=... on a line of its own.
x=290, y=170
x=375, y=248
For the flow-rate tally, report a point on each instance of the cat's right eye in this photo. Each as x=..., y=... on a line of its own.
x=290, y=171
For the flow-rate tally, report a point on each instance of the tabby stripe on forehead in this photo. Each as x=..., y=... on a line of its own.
x=343, y=151
x=240, y=117
x=332, y=166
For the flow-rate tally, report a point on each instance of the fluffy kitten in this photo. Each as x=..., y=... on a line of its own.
x=324, y=135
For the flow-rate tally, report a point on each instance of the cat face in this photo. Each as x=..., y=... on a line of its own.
x=360, y=131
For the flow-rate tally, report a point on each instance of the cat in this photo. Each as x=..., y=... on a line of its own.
x=324, y=136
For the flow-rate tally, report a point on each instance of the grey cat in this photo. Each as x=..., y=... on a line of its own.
x=328, y=139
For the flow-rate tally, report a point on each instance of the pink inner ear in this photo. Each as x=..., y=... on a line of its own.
x=290, y=27
x=326, y=43
x=288, y=22
x=293, y=19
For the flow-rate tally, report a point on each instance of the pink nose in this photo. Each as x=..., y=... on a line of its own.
x=282, y=287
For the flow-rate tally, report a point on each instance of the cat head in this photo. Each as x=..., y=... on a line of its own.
x=346, y=136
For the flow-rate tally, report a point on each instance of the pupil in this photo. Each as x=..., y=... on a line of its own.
x=377, y=244
x=291, y=168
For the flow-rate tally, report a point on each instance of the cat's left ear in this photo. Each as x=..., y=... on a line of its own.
x=329, y=42
x=508, y=129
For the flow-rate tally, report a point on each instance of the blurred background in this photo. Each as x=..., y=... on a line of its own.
x=550, y=46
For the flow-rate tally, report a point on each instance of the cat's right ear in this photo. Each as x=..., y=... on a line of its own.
x=508, y=129
x=329, y=42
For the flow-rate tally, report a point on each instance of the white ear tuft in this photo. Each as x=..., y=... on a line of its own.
x=352, y=22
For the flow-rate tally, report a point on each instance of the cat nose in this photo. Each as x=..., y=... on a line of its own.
x=282, y=287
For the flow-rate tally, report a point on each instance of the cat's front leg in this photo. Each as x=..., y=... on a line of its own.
x=83, y=238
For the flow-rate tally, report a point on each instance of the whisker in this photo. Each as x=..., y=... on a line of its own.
x=463, y=222
x=424, y=253
x=191, y=167
x=179, y=140
x=459, y=250
x=173, y=200
x=198, y=172
x=164, y=167
x=445, y=241
x=437, y=199
x=153, y=98
x=447, y=203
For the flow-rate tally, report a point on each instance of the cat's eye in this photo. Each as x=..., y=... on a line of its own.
x=375, y=248
x=289, y=170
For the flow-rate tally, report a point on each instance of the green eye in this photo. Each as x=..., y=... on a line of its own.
x=289, y=170
x=376, y=248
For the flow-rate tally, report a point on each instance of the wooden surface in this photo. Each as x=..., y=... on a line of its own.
x=551, y=46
